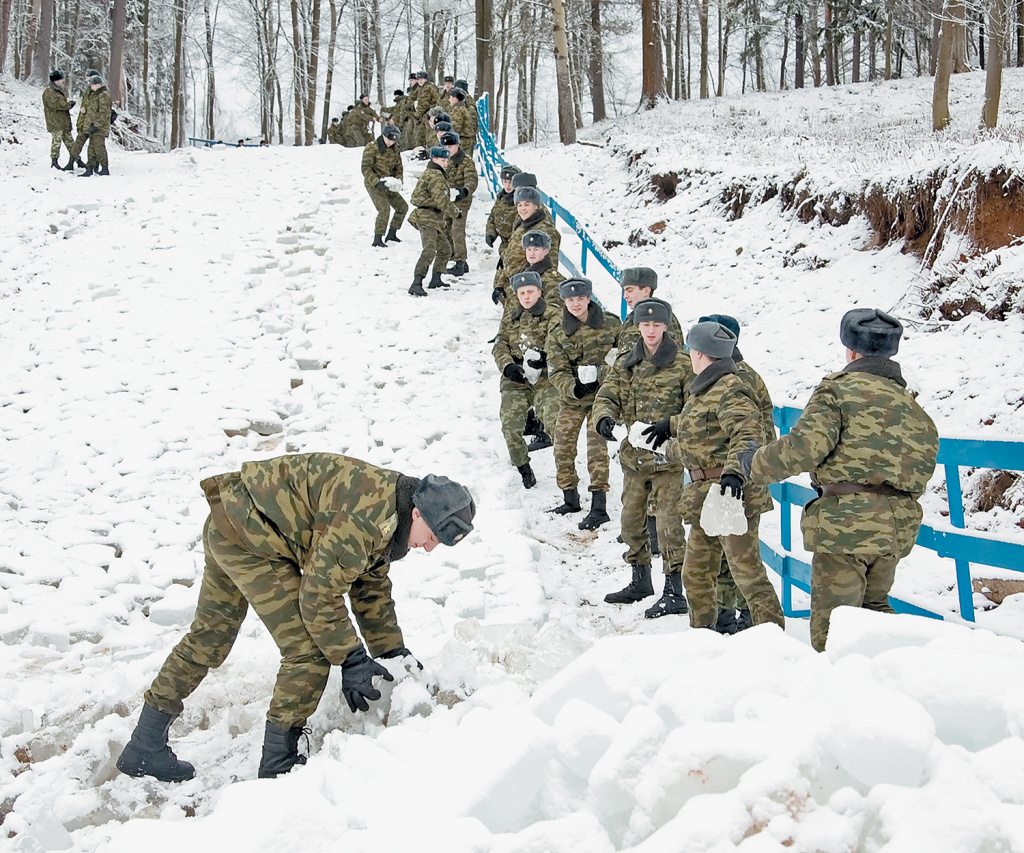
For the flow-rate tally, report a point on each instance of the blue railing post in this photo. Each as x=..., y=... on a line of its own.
x=955, y=498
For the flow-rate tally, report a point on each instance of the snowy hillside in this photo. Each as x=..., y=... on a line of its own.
x=205, y=307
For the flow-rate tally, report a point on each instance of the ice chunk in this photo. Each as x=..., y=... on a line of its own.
x=393, y=184
x=532, y=373
x=177, y=607
x=48, y=833
x=722, y=515
x=637, y=439
x=587, y=373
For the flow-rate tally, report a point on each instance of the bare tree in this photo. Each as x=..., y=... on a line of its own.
x=329, y=83
x=994, y=67
x=211, y=87
x=705, y=89
x=652, y=85
x=44, y=38
x=115, y=75
x=596, y=66
x=952, y=16
x=5, y=30
x=566, y=121
x=312, y=65
x=178, y=91
x=485, y=51
x=298, y=93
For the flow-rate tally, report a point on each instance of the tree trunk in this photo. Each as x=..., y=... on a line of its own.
x=5, y=30
x=994, y=69
x=211, y=88
x=29, y=45
x=856, y=55
x=566, y=120
x=522, y=66
x=798, y=50
x=785, y=51
x=704, y=59
x=951, y=12
x=1020, y=33
x=115, y=74
x=888, y=44
x=485, y=53
x=178, y=86
x=329, y=83
x=652, y=85
x=596, y=67
x=813, y=33
x=312, y=69
x=830, y=68
x=297, y=81
x=724, y=30
x=145, y=65
x=44, y=41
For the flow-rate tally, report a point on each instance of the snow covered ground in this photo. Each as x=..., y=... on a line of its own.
x=205, y=307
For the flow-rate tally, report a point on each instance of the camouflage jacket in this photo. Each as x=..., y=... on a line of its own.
x=629, y=334
x=521, y=330
x=719, y=419
x=861, y=425
x=379, y=162
x=513, y=255
x=572, y=343
x=550, y=278
x=334, y=134
x=56, y=109
x=647, y=388
x=462, y=173
x=337, y=520
x=761, y=396
x=464, y=122
x=97, y=111
x=431, y=199
x=503, y=217
x=87, y=94
x=361, y=115
x=425, y=97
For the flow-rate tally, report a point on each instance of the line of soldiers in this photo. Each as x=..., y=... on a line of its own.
x=95, y=116
x=353, y=128
x=415, y=108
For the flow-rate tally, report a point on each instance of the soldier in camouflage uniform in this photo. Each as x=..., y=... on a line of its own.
x=871, y=450
x=381, y=164
x=463, y=179
x=523, y=329
x=362, y=117
x=718, y=420
x=291, y=537
x=533, y=216
x=464, y=119
x=96, y=120
x=432, y=202
x=501, y=221
x=82, y=135
x=57, y=111
x=537, y=248
x=445, y=91
x=425, y=96
x=638, y=284
x=334, y=132
x=583, y=338
x=648, y=384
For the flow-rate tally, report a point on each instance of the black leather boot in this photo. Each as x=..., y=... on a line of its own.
x=88, y=173
x=652, y=533
x=533, y=424
x=570, y=502
x=598, y=514
x=744, y=620
x=392, y=237
x=103, y=170
x=70, y=167
x=53, y=163
x=378, y=241
x=638, y=588
x=540, y=441
x=726, y=622
x=672, y=599
x=529, y=478
x=147, y=753
x=280, y=751
x=435, y=281
x=416, y=288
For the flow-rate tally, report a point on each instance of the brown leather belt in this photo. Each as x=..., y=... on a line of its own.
x=698, y=474
x=834, y=489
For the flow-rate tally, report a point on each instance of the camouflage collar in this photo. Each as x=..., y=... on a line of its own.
x=571, y=323
x=662, y=358
x=715, y=371
x=459, y=156
x=877, y=366
x=537, y=310
x=506, y=197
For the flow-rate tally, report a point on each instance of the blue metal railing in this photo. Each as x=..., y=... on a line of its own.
x=963, y=547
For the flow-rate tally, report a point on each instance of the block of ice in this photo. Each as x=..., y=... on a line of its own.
x=587, y=373
x=722, y=515
x=637, y=438
x=532, y=373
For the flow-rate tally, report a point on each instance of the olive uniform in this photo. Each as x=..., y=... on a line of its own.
x=501, y=221
x=461, y=175
x=464, y=123
x=424, y=97
x=432, y=206
x=57, y=111
x=96, y=121
x=81, y=128
x=513, y=255
x=383, y=161
x=361, y=117
x=334, y=133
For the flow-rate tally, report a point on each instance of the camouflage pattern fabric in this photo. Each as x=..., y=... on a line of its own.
x=464, y=123
x=700, y=574
x=435, y=248
x=379, y=162
x=516, y=401
x=56, y=138
x=566, y=436
x=56, y=111
x=362, y=116
x=762, y=398
x=853, y=580
x=97, y=151
x=431, y=199
x=729, y=595
x=521, y=330
x=334, y=134
x=83, y=102
x=425, y=97
x=96, y=110
x=461, y=174
x=648, y=489
x=503, y=216
x=513, y=256
x=550, y=278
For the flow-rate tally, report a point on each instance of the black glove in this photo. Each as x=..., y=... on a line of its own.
x=92, y=129
x=489, y=239
x=658, y=433
x=71, y=105
x=514, y=373
x=462, y=193
x=746, y=458
x=733, y=483
x=605, y=428
x=423, y=155
x=538, y=363
x=401, y=652
x=497, y=295
x=357, y=674
x=581, y=389
x=380, y=185
x=458, y=213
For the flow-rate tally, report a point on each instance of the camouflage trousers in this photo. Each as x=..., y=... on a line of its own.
x=854, y=580
x=655, y=493
x=56, y=138
x=384, y=201
x=516, y=401
x=232, y=580
x=97, y=150
x=566, y=436
x=436, y=249
x=704, y=562
x=76, y=148
x=459, y=250
x=729, y=595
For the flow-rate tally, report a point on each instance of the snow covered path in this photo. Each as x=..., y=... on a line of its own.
x=202, y=308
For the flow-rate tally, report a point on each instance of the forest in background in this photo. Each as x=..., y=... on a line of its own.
x=300, y=62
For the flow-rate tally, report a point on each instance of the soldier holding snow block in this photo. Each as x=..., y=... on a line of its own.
x=719, y=419
x=647, y=385
x=433, y=205
x=462, y=178
x=871, y=450
x=638, y=284
x=291, y=537
x=382, y=177
x=577, y=347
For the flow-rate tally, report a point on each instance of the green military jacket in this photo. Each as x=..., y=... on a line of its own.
x=861, y=425
x=380, y=161
x=334, y=134
x=56, y=109
x=431, y=200
x=503, y=217
x=443, y=95
x=464, y=122
x=87, y=94
x=462, y=173
x=719, y=419
x=96, y=110
x=361, y=116
x=629, y=334
x=572, y=343
x=550, y=278
x=522, y=329
x=513, y=255
x=334, y=518
x=648, y=388
x=761, y=396
x=426, y=97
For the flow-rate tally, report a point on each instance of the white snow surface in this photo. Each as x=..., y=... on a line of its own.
x=205, y=307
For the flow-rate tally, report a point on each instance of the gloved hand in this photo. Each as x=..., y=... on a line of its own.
x=357, y=674
x=497, y=295
x=605, y=428
x=401, y=652
x=453, y=193
x=489, y=239
x=463, y=193
x=514, y=373
x=733, y=484
x=423, y=155
x=71, y=105
x=581, y=389
x=92, y=129
x=458, y=213
x=381, y=185
x=746, y=458
x=658, y=433
x=538, y=363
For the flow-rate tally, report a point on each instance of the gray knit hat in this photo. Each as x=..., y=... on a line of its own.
x=446, y=506
x=536, y=239
x=639, y=277
x=524, y=179
x=653, y=311
x=531, y=194
x=526, y=279
x=575, y=287
x=870, y=332
x=439, y=151
x=712, y=339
